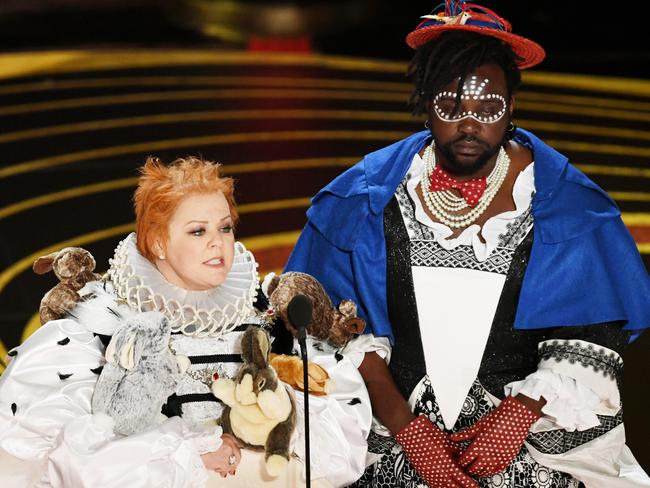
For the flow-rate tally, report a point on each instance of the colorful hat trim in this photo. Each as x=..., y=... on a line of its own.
x=461, y=15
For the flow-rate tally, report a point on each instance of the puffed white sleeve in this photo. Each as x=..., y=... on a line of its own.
x=581, y=431
x=89, y=454
x=578, y=381
x=339, y=422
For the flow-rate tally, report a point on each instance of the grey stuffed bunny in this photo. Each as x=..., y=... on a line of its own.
x=140, y=373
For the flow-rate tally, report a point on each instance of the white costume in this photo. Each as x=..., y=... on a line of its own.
x=50, y=437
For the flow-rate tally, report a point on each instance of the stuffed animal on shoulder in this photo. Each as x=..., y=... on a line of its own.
x=140, y=373
x=259, y=411
x=335, y=326
x=74, y=267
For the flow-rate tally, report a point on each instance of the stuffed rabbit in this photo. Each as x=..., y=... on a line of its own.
x=259, y=410
x=140, y=373
x=73, y=266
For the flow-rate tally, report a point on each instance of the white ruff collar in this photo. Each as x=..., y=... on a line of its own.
x=204, y=313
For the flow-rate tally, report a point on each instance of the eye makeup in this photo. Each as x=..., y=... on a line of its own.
x=483, y=107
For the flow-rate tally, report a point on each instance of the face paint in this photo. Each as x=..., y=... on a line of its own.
x=483, y=107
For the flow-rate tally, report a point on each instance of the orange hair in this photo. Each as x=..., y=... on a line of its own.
x=161, y=189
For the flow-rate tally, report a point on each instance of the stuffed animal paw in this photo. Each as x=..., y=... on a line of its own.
x=290, y=370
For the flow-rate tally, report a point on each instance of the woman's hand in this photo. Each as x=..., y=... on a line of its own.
x=224, y=460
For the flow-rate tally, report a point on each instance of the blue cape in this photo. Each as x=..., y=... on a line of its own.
x=584, y=266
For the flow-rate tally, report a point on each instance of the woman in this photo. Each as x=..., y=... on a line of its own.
x=185, y=263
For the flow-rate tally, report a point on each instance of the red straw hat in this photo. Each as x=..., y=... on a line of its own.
x=461, y=15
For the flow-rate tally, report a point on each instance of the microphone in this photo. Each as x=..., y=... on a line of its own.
x=299, y=312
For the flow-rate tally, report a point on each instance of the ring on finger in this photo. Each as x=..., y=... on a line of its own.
x=232, y=459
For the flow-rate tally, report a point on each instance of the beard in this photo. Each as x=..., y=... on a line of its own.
x=452, y=164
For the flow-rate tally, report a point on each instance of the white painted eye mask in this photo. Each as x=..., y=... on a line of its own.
x=483, y=107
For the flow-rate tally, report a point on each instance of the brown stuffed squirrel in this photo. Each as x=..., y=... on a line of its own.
x=334, y=326
x=74, y=267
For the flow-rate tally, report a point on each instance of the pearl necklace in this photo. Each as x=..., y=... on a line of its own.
x=445, y=204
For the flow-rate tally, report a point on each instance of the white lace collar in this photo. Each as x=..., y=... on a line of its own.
x=205, y=313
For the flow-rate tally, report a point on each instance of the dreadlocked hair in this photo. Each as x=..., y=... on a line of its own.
x=453, y=56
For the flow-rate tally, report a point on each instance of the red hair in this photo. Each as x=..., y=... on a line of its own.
x=161, y=189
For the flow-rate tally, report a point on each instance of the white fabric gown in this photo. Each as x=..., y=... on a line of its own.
x=49, y=436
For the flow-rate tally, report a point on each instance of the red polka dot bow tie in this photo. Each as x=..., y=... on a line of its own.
x=471, y=190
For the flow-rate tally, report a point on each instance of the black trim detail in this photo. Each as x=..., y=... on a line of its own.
x=338, y=356
x=589, y=356
x=354, y=401
x=216, y=358
x=105, y=339
x=509, y=353
x=13, y=353
x=198, y=397
x=407, y=360
x=560, y=441
x=14, y=408
x=63, y=376
x=63, y=342
x=98, y=369
x=174, y=405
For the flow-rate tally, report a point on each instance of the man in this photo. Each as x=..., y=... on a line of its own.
x=498, y=282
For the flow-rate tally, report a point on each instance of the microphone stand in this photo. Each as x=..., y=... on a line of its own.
x=302, y=340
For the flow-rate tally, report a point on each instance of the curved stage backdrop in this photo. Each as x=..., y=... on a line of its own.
x=75, y=125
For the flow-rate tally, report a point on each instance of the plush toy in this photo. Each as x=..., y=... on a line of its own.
x=334, y=326
x=259, y=411
x=74, y=267
x=290, y=370
x=139, y=375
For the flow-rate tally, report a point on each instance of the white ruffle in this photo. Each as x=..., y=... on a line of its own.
x=522, y=194
x=574, y=393
x=357, y=348
x=569, y=405
x=206, y=438
x=204, y=313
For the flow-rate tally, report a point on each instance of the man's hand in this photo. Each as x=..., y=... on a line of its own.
x=430, y=451
x=496, y=438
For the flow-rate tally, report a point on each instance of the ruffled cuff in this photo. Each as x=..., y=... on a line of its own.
x=357, y=348
x=208, y=439
x=578, y=381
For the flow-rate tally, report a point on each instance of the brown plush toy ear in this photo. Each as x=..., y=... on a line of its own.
x=355, y=325
x=44, y=264
x=255, y=347
x=273, y=284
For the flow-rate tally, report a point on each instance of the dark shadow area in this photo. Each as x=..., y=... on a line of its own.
x=578, y=38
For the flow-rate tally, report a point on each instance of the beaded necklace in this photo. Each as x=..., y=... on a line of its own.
x=444, y=204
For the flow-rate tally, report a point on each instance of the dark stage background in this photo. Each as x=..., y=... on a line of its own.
x=89, y=88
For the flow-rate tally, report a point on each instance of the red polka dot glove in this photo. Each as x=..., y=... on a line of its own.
x=431, y=453
x=496, y=438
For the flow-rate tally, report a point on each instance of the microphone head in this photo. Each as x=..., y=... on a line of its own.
x=299, y=311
